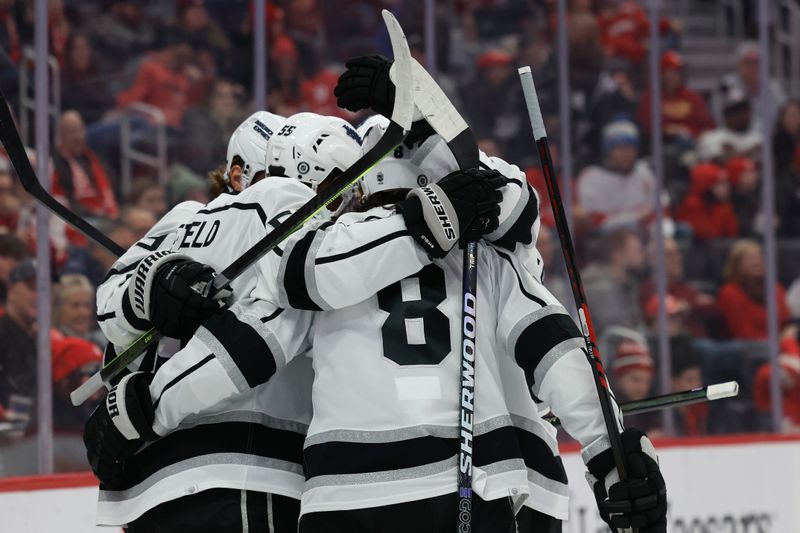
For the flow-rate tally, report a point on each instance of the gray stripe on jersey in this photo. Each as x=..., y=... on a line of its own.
x=548, y=484
x=265, y=333
x=532, y=426
x=401, y=434
x=527, y=320
x=224, y=358
x=575, y=343
x=215, y=459
x=388, y=475
x=254, y=417
x=600, y=445
x=309, y=272
x=501, y=467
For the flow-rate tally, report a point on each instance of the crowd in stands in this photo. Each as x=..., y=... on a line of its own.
x=192, y=60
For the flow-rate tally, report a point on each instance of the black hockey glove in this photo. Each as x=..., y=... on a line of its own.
x=366, y=85
x=118, y=426
x=641, y=500
x=167, y=291
x=461, y=207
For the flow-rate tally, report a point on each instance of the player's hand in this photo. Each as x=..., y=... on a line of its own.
x=641, y=500
x=366, y=85
x=118, y=426
x=462, y=206
x=173, y=293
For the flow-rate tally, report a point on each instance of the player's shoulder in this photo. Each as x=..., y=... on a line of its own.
x=274, y=188
x=176, y=216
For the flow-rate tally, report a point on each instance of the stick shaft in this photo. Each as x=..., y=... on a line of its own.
x=601, y=383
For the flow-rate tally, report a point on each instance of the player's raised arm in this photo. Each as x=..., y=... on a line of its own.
x=545, y=342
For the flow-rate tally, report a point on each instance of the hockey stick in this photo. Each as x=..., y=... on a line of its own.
x=601, y=384
x=445, y=120
x=394, y=135
x=12, y=142
x=710, y=393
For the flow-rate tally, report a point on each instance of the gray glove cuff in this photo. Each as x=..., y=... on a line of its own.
x=439, y=214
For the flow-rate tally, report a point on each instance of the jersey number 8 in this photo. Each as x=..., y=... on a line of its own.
x=417, y=308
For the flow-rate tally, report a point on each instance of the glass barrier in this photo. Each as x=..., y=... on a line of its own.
x=148, y=93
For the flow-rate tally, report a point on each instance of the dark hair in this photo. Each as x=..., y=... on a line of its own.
x=11, y=246
x=682, y=361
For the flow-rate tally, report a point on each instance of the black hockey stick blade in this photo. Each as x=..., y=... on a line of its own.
x=12, y=142
x=394, y=135
x=709, y=393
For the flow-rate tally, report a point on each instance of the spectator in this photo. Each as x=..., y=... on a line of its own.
x=707, y=207
x=84, y=85
x=149, y=195
x=615, y=99
x=554, y=276
x=79, y=178
x=621, y=191
x=317, y=94
x=684, y=113
x=208, y=128
x=285, y=77
x=193, y=18
x=161, y=80
x=633, y=370
x=700, y=306
x=742, y=298
x=793, y=299
x=18, y=372
x=120, y=32
x=612, y=288
x=677, y=315
x=73, y=306
x=495, y=82
x=625, y=29
x=746, y=81
x=786, y=139
x=94, y=261
x=789, y=362
x=692, y=420
x=12, y=251
x=10, y=202
x=185, y=185
x=735, y=137
x=58, y=29
x=9, y=35
x=74, y=361
x=745, y=181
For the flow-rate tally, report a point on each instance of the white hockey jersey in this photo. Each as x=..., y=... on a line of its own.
x=386, y=386
x=311, y=272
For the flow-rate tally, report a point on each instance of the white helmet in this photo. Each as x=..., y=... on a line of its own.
x=249, y=141
x=310, y=146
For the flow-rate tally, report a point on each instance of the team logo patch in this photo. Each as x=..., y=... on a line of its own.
x=422, y=180
x=380, y=178
x=302, y=167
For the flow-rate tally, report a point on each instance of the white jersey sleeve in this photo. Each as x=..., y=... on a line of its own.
x=231, y=353
x=336, y=265
x=114, y=314
x=546, y=343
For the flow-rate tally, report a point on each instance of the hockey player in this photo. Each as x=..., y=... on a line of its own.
x=380, y=453
x=234, y=453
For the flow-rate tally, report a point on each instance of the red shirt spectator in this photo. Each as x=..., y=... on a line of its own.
x=317, y=95
x=161, y=82
x=624, y=31
x=707, y=207
x=789, y=362
x=79, y=178
x=741, y=300
x=684, y=113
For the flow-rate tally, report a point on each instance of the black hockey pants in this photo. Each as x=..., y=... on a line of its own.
x=221, y=511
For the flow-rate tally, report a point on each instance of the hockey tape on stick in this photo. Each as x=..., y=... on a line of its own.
x=394, y=135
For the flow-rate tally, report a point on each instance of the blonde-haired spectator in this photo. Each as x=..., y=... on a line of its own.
x=742, y=299
x=73, y=306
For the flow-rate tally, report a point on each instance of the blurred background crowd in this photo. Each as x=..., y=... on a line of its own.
x=146, y=94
